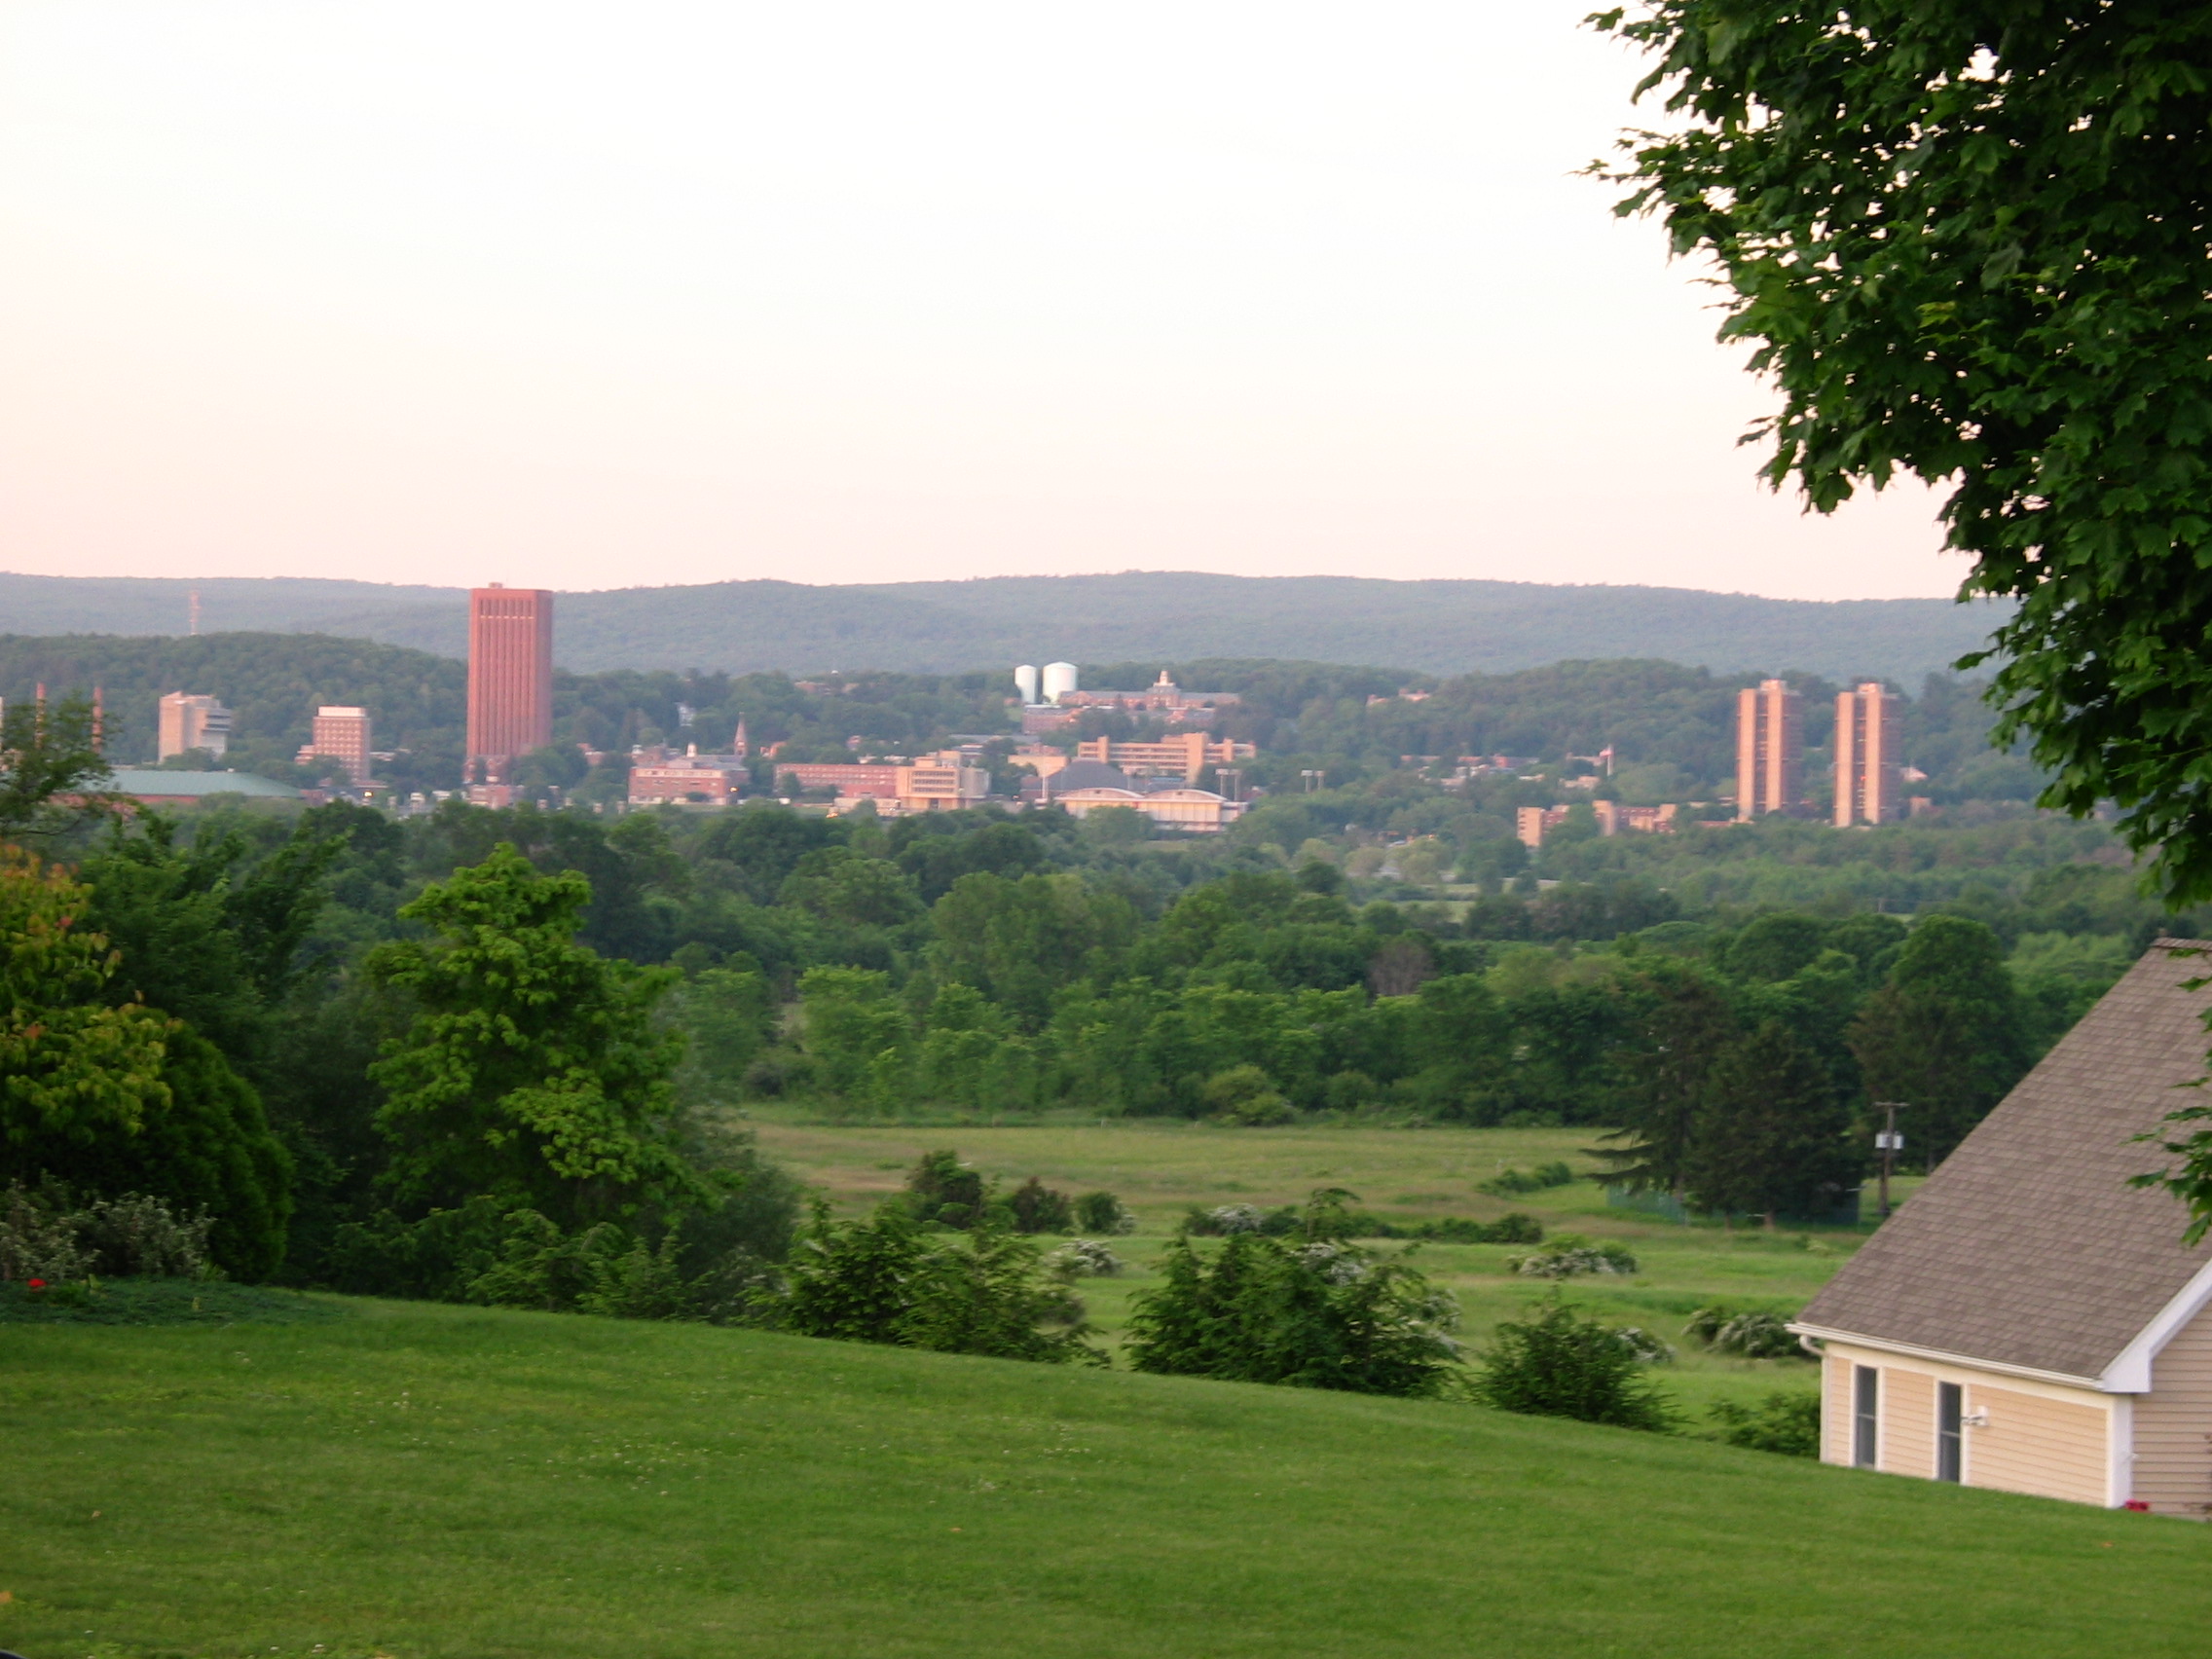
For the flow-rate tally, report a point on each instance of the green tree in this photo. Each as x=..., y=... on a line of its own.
x=531, y=1070
x=1681, y=1023
x=1968, y=241
x=74, y=1069
x=1770, y=1137
x=51, y=768
x=858, y=1038
x=113, y=1100
x=1021, y=940
x=1945, y=1034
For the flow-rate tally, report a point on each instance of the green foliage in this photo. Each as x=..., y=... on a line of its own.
x=1541, y=1179
x=72, y=1068
x=1752, y=1335
x=1571, y=1255
x=1788, y=1420
x=1039, y=1208
x=1317, y=1313
x=1771, y=1135
x=1103, y=1213
x=857, y=1036
x=43, y=1235
x=2018, y=309
x=1944, y=1034
x=849, y=1281
x=532, y=1069
x=883, y=1280
x=51, y=768
x=1244, y=1096
x=1560, y=1362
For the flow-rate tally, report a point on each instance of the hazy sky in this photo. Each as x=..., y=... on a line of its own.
x=592, y=295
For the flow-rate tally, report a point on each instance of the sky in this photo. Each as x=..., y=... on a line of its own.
x=603, y=295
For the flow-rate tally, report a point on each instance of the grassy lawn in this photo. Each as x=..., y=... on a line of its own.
x=422, y=1481
x=1162, y=1167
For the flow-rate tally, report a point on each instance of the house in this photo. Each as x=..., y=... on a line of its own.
x=2029, y=1320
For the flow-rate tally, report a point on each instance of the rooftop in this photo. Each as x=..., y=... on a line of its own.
x=2028, y=1248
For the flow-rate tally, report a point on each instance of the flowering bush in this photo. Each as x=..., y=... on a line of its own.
x=1570, y=1256
x=1754, y=1335
x=1081, y=1256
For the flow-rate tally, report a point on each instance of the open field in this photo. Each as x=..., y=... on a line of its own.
x=428, y=1482
x=1162, y=1167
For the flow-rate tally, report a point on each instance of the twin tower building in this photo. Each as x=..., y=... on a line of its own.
x=1770, y=753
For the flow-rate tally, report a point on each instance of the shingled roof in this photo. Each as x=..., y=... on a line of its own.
x=2027, y=1247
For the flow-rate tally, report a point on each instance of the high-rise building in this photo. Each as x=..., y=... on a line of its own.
x=1770, y=749
x=191, y=722
x=510, y=678
x=341, y=734
x=1867, y=770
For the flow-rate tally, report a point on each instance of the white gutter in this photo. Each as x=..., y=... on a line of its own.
x=2131, y=1372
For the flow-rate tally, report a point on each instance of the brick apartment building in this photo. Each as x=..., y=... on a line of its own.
x=1866, y=768
x=1770, y=749
x=341, y=734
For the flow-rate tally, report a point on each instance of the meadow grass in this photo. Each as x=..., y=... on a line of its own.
x=427, y=1481
x=1162, y=1167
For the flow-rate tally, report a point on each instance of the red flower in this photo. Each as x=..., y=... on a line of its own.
x=37, y=1284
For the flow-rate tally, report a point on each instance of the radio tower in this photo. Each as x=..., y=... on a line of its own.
x=192, y=611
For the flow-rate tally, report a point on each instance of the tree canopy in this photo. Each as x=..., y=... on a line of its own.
x=1969, y=240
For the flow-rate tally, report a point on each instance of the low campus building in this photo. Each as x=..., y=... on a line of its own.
x=1184, y=755
x=2030, y=1320
x=1199, y=811
x=943, y=782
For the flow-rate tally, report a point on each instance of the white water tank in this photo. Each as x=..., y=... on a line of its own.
x=1059, y=679
x=1025, y=682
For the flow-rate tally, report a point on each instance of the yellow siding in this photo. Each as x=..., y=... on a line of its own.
x=2035, y=1443
x=1908, y=1423
x=2173, y=1425
x=1835, y=1410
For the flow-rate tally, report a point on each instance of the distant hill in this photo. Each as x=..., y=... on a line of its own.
x=1437, y=627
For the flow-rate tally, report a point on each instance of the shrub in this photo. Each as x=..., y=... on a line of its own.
x=1570, y=1256
x=1244, y=1096
x=138, y=1236
x=132, y=1235
x=941, y=1188
x=1512, y=1182
x=1320, y=1314
x=1039, y=1208
x=1558, y=1362
x=1753, y=1334
x=1648, y=1348
x=985, y=1294
x=1227, y=1220
x=1081, y=1256
x=1103, y=1212
x=849, y=1282
x=1512, y=1229
x=38, y=1242
x=1786, y=1420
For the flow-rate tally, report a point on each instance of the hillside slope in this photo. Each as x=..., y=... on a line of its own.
x=433, y=1483
x=1437, y=627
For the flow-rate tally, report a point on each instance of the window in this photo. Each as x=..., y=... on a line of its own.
x=1950, y=1410
x=1865, y=1414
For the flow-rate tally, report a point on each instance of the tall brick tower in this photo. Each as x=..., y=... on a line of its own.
x=1866, y=755
x=1770, y=749
x=510, y=677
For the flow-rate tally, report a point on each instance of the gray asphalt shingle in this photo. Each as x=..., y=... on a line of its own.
x=2028, y=1246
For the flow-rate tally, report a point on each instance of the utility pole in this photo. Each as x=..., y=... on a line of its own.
x=1888, y=1143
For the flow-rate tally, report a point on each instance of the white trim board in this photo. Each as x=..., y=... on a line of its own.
x=2131, y=1372
x=1945, y=1356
